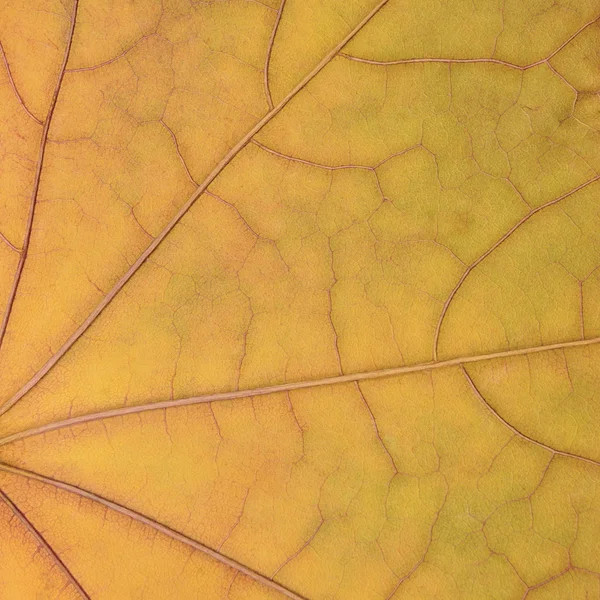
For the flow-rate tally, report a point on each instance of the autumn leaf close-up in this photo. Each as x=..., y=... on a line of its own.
x=300, y=299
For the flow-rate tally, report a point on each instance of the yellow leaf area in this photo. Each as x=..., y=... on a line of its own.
x=300, y=300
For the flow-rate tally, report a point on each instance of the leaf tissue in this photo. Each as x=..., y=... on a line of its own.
x=300, y=299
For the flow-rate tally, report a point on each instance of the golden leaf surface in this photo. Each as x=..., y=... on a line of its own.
x=300, y=300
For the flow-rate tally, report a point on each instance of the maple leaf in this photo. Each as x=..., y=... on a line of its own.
x=300, y=299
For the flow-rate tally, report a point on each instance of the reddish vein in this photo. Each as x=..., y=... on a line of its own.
x=14, y=86
x=468, y=270
x=44, y=544
x=269, y=52
x=518, y=433
x=182, y=211
x=452, y=61
x=156, y=525
x=288, y=387
x=9, y=243
x=310, y=162
x=36, y=183
x=473, y=60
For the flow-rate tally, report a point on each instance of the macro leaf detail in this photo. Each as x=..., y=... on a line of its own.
x=300, y=299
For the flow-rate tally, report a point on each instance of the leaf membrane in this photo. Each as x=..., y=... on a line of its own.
x=293, y=198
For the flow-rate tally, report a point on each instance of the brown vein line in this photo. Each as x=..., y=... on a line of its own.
x=409, y=61
x=492, y=249
x=413, y=569
x=36, y=183
x=570, y=39
x=263, y=5
x=518, y=433
x=178, y=150
x=14, y=87
x=108, y=61
x=9, y=243
x=531, y=588
x=44, y=544
x=156, y=525
x=288, y=387
x=269, y=52
x=182, y=211
x=310, y=163
x=304, y=546
x=376, y=428
x=473, y=60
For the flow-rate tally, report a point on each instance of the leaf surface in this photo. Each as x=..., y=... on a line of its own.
x=300, y=299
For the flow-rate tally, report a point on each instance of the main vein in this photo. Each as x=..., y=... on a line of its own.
x=39, y=538
x=288, y=387
x=37, y=178
x=156, y=525
x=182, y=211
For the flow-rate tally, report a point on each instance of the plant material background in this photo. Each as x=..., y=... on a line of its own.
x=300, y=300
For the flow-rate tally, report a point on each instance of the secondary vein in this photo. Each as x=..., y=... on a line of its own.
x=156, y=525
x=36, y=182
x=288, y=387
x=39, y=538
x=182, y=211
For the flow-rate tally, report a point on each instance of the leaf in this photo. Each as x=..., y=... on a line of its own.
x=300, y=300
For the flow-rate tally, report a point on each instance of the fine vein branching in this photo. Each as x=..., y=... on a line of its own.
x=154, y=524
x=36, y=182
x=42, y=543
x=298, y=385
x=519, y=433
x=233, y=152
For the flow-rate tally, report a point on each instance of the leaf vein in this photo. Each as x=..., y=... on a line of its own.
x=44, y=544
x=13, y=85
x=154, y=524
x=518, y=433
x=491, y=250
x=490, y=60
x=287, y=387
x=233, y=152
x=36, y=183
x=269, y=52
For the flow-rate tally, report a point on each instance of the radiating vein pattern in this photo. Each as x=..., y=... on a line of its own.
x=300, y=298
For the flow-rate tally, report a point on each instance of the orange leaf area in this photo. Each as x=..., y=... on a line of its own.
x=300, y=299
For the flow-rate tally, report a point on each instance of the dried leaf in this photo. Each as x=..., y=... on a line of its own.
x=300, y=299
